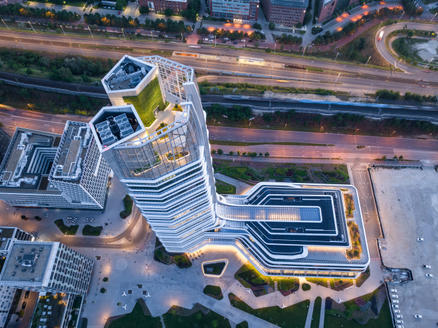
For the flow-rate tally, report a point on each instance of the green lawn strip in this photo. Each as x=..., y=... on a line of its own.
x=138, y=318
x=161, y=255
x=199, y=316
x=382, y=321
x=319, y=281
x=127, y=204
x=316, y=313
x=253, y=172
x=288, y=285
x=213, y=291
x=214, y=268
x=285, y=143
x=363, y=277
x=243, y=324
x=224, y=188
x=290, y=317
x=90, y=230
x=65, y=229
x=306, y=287
x=147, y=101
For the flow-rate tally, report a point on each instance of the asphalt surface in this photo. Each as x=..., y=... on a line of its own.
x=380, y=111
x=353, y=77
x=389, y=57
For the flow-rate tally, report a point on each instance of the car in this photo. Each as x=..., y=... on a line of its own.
x=395, y=301
x=395, y=306
x=429, y=275
x=26, y=295
x=23, y=306
x=394, y=296
x=427, y=266
x=393, y=290
x=399, y=316
x=418, y=316
x=399, y=321
x=396, y=311
x=420, y=239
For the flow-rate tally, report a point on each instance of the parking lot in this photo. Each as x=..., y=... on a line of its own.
x=408, y=206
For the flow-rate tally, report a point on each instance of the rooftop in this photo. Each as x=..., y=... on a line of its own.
x=114, y=124
x=127, y=74
x=28, y=160
x=71, y=152
x=6, y=233
x=27, y=261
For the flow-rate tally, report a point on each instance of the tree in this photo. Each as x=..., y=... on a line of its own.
x=257, y=26
x=168, y=12
x=271, y=26
x=220, y=151
x=144, y=10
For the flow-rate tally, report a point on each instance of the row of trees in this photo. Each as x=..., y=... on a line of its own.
x=235, y=35
x=122, y=21
x=408, y=96
x=289, y=39
x=19, y=10
x=351, y=27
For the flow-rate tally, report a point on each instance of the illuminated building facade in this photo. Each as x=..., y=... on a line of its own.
x=154, y=137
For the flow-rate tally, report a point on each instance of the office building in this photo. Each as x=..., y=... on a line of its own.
x=161, y=5
x=239, y=11
x=326, y=9
x=155, y=139
x=42, y=169
x=285, y=12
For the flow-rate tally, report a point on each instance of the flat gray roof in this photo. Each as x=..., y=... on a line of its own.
x=27, y=261
x=127, y=74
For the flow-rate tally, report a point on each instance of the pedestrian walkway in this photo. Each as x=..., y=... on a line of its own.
x=322, y=314
x=310, y=314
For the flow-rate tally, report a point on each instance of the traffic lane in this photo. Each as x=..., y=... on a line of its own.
x=304, y=79
x=272, y=136
x=208, y=49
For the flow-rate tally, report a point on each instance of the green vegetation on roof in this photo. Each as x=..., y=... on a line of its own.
x=147, y=101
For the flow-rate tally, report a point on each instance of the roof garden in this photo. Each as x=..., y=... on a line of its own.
x=147, y=102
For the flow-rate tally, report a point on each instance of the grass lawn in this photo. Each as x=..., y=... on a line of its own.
x=202, y=318
x=382, y=321
x=147, y=101
x=293, y=316
x=252, y=172
x=65, y=229
x=90, y=230
x=136, y=319
x=127, y=204
x=316, y=313
x=214, y=268
x=213, y=291
x=224, y=188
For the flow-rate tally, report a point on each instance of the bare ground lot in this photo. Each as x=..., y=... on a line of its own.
x=408, y=206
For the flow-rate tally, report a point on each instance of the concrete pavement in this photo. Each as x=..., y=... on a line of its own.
x=241, y=187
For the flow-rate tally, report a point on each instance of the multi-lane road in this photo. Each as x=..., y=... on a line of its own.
x=356, y=79
x=343, y=147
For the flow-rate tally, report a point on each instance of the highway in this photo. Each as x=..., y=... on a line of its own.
x=379, y=111
x=389, y=57
x=353, y=78
x=344, y=146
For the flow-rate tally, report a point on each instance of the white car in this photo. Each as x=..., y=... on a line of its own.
x=395, y=301
x=420, y=239
x=418, y=316
x=427, y=266
x=429, y=275
x=394, y=296
x=399, y=322
x=396, y=311
x=395, y=306
x=393, y=290
x=399, y=316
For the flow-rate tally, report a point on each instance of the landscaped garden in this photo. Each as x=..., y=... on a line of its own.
x=127, y=205
x=356, y=249
x=224, y=188
x=363, y=277
x=287, y=286
x=161, y=255
x=147, y=102
x=214, y=268
x=370, y=310
x=90, y=230
x=253, y=172
x=349, y=205
x=65, y=229
x=213, y=291
x=293, y=316
x=316, y=313
x=249, y=277
x=139, y=317
x=336, y=284
x=198, y=316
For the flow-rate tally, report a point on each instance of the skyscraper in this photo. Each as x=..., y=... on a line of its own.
x=155, y=139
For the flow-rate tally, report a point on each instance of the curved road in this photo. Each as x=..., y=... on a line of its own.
x=389, y=57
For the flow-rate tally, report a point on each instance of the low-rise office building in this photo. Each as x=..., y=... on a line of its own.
x=285, y=12
x=42, y=169
x=235, y=10
x=161, y=5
